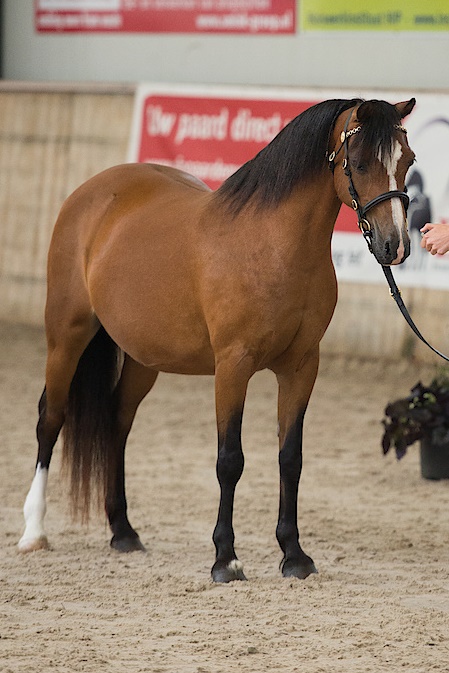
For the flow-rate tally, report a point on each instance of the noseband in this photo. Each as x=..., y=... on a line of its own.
x=363, y=224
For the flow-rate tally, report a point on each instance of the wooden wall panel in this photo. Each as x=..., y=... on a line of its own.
x=49, y=144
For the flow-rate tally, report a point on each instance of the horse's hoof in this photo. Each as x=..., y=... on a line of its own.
x=26, y=545
x=298, y=568
x=124, y=545
x=228, y=573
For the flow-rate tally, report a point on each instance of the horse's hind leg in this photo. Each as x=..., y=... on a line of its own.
x=62, y=360
x=135, y=382
x=34, y=536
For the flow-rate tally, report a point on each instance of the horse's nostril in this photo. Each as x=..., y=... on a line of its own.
x=387, y=247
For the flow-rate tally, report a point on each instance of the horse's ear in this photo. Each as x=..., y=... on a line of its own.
x=366, y=110
x=405, y=108
x=368, y=107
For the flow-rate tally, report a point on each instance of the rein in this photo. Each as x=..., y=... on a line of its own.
x=396, y=294
x=365, y=226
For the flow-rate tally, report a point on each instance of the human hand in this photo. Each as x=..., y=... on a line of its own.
x=435, y=238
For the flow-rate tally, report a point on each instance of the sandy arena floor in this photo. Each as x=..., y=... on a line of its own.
x=377, y=532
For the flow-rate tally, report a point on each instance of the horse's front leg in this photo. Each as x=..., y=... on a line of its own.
x=295, y=387
x=231, y=381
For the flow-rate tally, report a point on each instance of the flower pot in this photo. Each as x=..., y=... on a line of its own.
x=434, y=459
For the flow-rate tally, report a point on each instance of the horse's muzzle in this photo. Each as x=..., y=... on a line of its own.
x=392, y=250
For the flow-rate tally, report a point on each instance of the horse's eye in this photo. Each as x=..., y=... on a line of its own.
x=357, y=165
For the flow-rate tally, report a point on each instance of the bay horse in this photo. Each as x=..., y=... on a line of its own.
x=149, y=271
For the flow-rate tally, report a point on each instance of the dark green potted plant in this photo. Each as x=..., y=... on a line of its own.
x=422, y=416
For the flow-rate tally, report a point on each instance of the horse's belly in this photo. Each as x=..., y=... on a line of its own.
x=155, y=321
x=170, y=358
x=162, y=337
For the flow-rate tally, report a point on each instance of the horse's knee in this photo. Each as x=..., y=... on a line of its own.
x=230, y=465
x=230, y=461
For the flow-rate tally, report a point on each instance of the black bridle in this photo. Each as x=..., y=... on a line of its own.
x=365, y=226
x=363, y=223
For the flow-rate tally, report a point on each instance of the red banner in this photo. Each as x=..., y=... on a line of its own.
x=167, y=16
x=212, y=137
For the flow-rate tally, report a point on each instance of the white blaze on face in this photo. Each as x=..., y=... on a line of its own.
x=391, y=165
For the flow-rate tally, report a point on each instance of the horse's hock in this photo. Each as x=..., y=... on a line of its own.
x=53, y=139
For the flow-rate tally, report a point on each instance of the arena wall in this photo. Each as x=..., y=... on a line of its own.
x=51, y=140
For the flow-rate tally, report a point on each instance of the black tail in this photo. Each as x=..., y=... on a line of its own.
x=89, y=432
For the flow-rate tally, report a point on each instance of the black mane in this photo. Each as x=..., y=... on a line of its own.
x=299, y=153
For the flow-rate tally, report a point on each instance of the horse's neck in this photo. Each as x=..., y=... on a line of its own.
x=310, y=213
x=302, y=222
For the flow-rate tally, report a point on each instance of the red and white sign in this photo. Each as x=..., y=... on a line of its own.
x=211, y=137
x=167, y=16
x=211, y=132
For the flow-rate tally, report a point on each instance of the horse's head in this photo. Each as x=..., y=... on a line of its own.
x=370, y=158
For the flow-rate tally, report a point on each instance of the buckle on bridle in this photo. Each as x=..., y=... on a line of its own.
x=364, y=226
x=395, y=293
